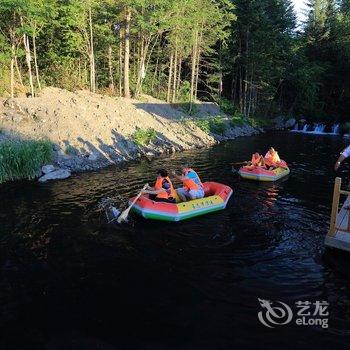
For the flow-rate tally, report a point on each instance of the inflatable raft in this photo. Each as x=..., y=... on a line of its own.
x=216, y=198
x=260, y=173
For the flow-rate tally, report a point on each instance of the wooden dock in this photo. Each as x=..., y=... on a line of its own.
x=339, y=230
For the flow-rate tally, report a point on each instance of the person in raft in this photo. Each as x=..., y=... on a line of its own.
x=192, y=185
x=271, y=158
x=163, y=189
x=257, y=160
x=343, y=155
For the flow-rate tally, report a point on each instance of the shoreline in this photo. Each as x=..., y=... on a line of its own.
x=90, y=131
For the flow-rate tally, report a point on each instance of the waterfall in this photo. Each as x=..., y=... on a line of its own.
x=335, y=129
x=296, y=127
x=306, y=126
x=319, y=128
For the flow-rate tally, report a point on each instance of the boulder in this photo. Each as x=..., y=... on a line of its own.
x=56, y=175
x=92, y=157
x=48, y=169
x=290, y=123
x=279, y=123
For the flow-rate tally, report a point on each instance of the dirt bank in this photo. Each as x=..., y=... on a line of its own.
x=90, y=130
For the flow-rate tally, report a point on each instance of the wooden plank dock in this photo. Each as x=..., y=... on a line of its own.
x=339, y=231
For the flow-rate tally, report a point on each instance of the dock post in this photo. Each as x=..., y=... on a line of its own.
x=335, y=206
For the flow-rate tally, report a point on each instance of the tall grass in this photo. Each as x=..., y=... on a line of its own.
x=23, y=159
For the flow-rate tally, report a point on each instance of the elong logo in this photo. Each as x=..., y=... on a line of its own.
x=278, y=313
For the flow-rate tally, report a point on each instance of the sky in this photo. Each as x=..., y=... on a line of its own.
x=299, y=5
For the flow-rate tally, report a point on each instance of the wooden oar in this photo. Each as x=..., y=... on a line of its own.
x=240, y=163
x=124, y=215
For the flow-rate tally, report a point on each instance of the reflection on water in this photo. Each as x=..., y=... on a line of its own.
x=70, y=281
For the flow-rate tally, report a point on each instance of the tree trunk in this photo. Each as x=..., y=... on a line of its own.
x=198, y=62
x=127, y=53
x=170, y=76
x=178, y=82
x=110, y=70
x=175, y=76
x=18, y=71
x=28, y=60
x=12, y=84
x=92, y=56
x=120, y=63
x=154, y=75
x=193, y=67
x=36, y=62
x=141, y=67
x=197, y=74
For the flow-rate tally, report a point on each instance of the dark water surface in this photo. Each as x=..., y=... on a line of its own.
x=69, y=281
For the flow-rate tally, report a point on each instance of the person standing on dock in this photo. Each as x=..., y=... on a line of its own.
x=343, y=155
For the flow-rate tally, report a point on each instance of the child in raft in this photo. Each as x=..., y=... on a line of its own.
x=272, y=158
x=163, y=189
x=270, y=161
x=192, y=185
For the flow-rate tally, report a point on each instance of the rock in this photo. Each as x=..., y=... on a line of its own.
x=150, y=154
x=46, y=169
x=279, y=123
x=92, y=157
x=290, y=123
x=56, y=175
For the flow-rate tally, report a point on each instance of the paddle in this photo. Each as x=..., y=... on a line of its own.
x=240, y=163
x=124, y=215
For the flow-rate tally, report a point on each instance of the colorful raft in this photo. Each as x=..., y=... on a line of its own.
x=216, y=197
x=260, y=173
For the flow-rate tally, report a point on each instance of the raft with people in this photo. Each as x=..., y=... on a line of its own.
x=269, y=168
x=163, y=202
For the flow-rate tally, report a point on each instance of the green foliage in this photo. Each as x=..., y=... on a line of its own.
x=203, y=124
x=215, y=125
x=227, y=106
x=237, y=119
x=345, y=127
x=259, y=122
x=251, y=58
x=23, y=159
x=143, y=137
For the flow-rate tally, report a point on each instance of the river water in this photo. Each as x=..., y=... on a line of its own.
x=70, y=281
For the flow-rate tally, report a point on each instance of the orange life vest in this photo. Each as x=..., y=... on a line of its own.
x=272, y=159
x=256, y=157
x=159, y=185
x=190, y=184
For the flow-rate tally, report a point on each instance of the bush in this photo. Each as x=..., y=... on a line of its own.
x=144, y=137
x=23, y=159
x=259, y=123
x=204, y=125
x=227, y=106
x=345, y=127
x=215, y=125
x=237, y=119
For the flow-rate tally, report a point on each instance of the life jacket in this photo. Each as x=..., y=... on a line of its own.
x=256, y=159
x=166, y=194
x=191, y=184
x=272, y=159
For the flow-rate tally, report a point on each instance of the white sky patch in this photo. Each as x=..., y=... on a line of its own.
x=300, y=8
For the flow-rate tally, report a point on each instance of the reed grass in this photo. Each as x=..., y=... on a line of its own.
x=23, y=159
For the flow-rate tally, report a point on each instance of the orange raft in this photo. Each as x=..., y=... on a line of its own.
x=216, y=197
x=260, y=173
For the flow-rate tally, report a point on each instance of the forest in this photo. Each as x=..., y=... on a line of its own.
x=252, y=57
